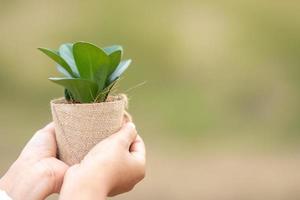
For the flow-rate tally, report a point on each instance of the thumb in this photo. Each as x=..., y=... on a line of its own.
x=127, y=134
x=46, y=179
x=42, y=144
x=137, y=148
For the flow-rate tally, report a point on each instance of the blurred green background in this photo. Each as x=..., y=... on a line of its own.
x=219, y=111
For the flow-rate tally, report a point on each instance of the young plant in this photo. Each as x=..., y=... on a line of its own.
x=89, y=72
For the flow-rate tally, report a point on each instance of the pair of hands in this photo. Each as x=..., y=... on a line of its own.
x=112, y=167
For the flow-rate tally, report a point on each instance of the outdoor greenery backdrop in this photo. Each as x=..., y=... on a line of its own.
x=222, y=78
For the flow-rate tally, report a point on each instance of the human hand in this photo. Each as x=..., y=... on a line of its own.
x=112, y=167
x=36, y=173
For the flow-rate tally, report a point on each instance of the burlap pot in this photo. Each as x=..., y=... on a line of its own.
x=79, y=127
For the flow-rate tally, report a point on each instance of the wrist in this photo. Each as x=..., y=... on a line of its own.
x=31, y=182
x=79, y=185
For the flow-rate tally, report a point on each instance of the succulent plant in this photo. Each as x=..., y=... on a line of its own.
x=89, y=72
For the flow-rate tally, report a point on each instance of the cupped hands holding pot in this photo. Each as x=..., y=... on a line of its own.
x=112, y=167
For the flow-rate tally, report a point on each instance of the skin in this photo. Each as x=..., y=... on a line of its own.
x=99, y=178
x=36, y=173
x=112, y=167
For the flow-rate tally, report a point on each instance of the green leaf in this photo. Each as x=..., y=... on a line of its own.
x=104, y=93
x=111, y=49
x=63, y=71
x=119, y=71
x=92, y=62
x=66, y=52
x=82, y=90
x=115, y=53
x=55, y=56
x=115, y=59
x=68, y=95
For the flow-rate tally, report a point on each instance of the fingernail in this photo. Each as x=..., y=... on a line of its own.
x=131, y=125
x=50, y=125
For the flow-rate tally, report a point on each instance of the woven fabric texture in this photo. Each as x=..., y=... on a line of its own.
x=79, y=127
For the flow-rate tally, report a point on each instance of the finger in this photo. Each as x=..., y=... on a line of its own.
x=53, y=171
x=137, y=148
x=49, y=127
x=60, y=169
x=127, y=134
x=42, y=144
x=127, y=117
x=123, y=138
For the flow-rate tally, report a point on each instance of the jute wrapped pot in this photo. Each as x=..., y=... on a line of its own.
x=79, y=127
